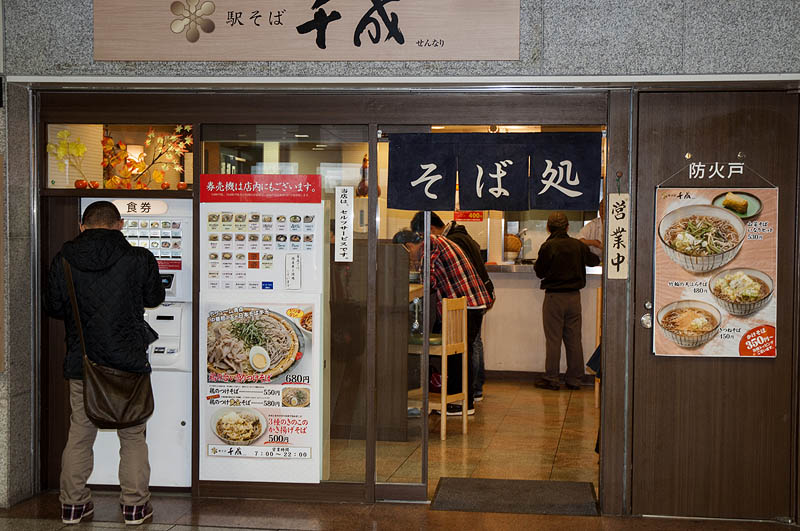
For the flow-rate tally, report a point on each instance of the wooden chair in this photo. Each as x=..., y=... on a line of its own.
x=454, y=342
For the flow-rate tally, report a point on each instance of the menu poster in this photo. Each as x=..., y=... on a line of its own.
x=716, y=255
x=261, y=247
x=260, y=396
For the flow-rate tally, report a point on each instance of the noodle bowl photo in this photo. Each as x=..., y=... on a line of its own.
x=230, y=343
x=689, y=324
x=741, y=291
x=238, y=426
x=701, y=238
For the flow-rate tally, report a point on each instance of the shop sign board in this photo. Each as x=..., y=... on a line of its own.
x=618, y=236
x=325, y=30
x=261, y=265
x=550, y=171
x=716, y=252
x=344, y=224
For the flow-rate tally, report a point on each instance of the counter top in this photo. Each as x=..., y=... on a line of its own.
x=528, y=268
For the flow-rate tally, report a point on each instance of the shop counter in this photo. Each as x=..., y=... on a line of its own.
x=513, y=335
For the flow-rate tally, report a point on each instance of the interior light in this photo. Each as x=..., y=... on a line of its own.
x=135, y=151
x=437, y=127
x=301, y=136
x=322, y=145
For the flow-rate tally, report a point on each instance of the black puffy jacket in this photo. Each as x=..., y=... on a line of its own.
x=114, y=282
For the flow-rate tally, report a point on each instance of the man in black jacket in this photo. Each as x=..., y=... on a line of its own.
x=114, y=282
x=561, y=265
x=458, y=234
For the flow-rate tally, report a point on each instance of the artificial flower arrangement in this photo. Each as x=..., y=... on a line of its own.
x=69, y=154
x=120, y=170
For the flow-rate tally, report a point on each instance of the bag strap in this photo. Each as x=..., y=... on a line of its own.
x=74, y=299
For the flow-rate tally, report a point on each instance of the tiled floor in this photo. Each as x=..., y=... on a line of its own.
x=518, y=432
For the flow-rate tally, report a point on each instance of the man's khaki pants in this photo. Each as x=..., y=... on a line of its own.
x=78, y=457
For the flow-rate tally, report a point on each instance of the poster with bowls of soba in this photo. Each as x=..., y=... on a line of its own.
x=260, y=389
x=716, y=256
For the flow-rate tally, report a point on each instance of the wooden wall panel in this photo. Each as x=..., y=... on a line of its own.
x=714, y=437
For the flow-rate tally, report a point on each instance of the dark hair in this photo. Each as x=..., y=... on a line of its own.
x=418, y=222
x=101, y=214
x=406, y=236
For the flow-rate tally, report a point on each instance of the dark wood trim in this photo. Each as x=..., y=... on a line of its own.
x=318, y=492
x=618, y=311
x=103, y=192
x=197, y=169
x=796, y=347
x=372, y=321
x=400, y=492
x=266, y=107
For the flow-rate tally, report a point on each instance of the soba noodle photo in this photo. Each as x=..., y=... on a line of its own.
x=688, y=321
x=701, y=236
x=229, y=343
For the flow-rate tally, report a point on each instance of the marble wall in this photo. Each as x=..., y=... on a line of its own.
x=557, y=38
x=17, y=397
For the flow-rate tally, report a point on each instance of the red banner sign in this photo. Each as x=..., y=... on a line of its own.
x=169, y=265
x=244, y=188
x=468, y=215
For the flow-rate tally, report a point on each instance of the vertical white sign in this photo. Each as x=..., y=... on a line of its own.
x=618, y=235
x=344, y=224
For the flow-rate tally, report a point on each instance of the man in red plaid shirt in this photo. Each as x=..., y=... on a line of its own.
x=453, y=276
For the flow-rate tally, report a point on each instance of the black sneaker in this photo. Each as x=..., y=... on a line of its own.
x=73, y=514
x=136, y=514
x=455, y=409
x=547, y=384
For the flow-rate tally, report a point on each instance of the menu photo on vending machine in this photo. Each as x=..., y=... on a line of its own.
x=163, y=226
x=262, y=252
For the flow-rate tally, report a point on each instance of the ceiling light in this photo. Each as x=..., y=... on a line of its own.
x=437, y=127
x=301, y=136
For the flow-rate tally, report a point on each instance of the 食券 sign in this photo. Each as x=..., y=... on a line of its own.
x=306, y=30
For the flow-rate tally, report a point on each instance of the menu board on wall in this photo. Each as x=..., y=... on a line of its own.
x=261, y=270
x=716, y=252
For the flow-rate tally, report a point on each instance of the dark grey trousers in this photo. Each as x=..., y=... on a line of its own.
x=561, y=316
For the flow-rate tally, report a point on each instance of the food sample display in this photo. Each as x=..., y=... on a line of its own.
x=715, y=265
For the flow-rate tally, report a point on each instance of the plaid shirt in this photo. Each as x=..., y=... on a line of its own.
x=453, y=276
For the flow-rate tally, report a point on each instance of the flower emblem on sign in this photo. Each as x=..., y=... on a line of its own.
x=192, y=14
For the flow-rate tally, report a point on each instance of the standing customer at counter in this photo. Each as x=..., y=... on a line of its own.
x=113, y=282
x=458, y=234
x=453, y=276
x=561, y=265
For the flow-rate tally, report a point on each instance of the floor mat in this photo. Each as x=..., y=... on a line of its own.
x=515, y=496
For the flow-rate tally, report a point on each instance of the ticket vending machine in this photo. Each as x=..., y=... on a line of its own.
x=164, y=226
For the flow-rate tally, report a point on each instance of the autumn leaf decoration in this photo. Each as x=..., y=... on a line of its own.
x=162, y=152
x=68, y=151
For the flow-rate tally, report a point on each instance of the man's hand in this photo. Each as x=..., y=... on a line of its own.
x=592, y=243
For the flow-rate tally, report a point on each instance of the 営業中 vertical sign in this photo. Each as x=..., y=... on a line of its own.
x=618, y=236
